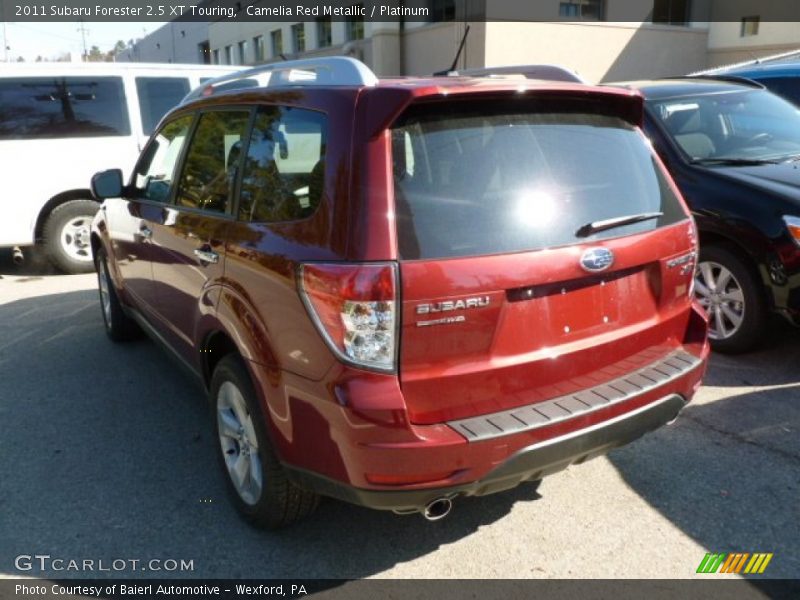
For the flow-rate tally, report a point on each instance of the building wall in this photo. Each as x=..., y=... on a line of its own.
x=599, y=51
x=174, y=42
x=727, y=45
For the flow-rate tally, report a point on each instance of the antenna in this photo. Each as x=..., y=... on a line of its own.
x=460, y=49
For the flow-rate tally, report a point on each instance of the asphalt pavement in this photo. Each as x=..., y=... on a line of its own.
x=107, y=454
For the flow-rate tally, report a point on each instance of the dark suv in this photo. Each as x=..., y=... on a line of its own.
x=733, y=149
x=399, y=292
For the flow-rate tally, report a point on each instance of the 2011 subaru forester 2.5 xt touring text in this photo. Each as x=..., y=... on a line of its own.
x=403, y=291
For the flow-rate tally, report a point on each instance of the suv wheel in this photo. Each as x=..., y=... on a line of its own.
x=257, y=482
x=730, y=293
x=67, y=234
x=119, y=326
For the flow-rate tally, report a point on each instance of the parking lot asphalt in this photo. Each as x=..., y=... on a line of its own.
x=107, y=454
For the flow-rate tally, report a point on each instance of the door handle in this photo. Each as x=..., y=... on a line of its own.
x=207, y=256
x=145, y=232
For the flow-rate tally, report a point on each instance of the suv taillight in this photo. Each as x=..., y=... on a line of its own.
x=355, y=309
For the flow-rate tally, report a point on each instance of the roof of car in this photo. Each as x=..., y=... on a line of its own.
x=778, y=69
x=660, y=89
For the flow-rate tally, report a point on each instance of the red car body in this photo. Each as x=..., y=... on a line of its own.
x=544, y=365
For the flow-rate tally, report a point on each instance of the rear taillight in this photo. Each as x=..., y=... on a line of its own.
x=355, y=309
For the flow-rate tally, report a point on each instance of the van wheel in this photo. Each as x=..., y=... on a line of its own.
x=730, y=293
x=67, y=234
x=257, y=483
x=119, y=326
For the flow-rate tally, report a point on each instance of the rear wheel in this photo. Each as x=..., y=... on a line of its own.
x=731, y=295
x=67, y=233
x=260, y=490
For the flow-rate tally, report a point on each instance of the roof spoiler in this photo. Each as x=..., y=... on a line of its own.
x=544, y=72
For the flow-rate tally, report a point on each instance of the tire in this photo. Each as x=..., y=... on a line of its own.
x=736, y=307
x=263, y=495
x=67, y=236
x=119, y=326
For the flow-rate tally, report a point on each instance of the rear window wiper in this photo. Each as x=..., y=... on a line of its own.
x=595, y=226
x=744, y=162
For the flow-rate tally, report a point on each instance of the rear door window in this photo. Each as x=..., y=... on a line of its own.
x=62, y=107
x=212, y=161
x=157, y=96
x=514, y=177
x=285, y=166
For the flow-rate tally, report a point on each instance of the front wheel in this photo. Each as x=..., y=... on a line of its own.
x=258, y=484
x=730, y=293
x=67, y=233
x=119, y=326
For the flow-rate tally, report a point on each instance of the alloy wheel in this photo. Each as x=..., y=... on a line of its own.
x=721, y=295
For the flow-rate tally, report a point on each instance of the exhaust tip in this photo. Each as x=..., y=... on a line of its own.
x=437, y=509
x=17, y=256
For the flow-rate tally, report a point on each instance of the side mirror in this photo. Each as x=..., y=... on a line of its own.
x=107, y=184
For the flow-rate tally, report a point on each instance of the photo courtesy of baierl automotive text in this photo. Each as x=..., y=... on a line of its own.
x=422, y=298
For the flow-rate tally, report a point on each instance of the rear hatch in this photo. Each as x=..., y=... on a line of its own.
x=543, y=250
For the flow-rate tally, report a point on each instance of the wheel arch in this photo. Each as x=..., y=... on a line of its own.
x=216, y=345
x=57, y=200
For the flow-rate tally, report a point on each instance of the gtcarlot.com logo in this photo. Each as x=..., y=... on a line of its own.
x=735, y=562
x=45, y=563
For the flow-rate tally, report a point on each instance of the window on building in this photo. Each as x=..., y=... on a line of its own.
x=671, y=12
x=284, y=171
x=258, y=48
x=298, y=38
x=276, y=37
x=216, y=57
x=241, y=59
x=42, y=107
x=324, y=37
x=586, y=10
x=212, y=161
x=750, y=26
x=205, y=52
x=228, y=55
x=354, y=26
x=442, y=10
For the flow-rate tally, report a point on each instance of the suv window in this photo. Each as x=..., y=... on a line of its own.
x=157, y=95
x=504, y=178
x=788, y=87
x=285, y=166
x=212, y=160
x=155, y=172
x=60, y=107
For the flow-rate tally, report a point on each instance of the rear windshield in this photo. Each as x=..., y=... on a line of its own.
x=506, y=177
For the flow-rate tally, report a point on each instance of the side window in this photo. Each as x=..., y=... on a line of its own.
x=788, y=87
x=156, y=169
x=62, y=107
x=157, y=95
x=209, y=172
x=284, y=170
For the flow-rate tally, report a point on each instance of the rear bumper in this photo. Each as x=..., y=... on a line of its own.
x=527, y=464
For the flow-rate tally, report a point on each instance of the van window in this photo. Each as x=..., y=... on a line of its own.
x=62, y=107
x=513, y=177
x=155, y=172
x=212, y=160
x=285, y=166
x=157, y=95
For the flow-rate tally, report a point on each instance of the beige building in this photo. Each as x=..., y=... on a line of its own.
x=603, y=40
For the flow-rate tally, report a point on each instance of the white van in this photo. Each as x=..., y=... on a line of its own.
x=62, y=122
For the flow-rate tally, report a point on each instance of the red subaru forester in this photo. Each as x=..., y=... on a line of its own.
x=403, y=291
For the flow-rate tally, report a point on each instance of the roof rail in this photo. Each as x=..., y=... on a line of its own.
x=323, y=71
x=547, y=72
x=748, y=63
